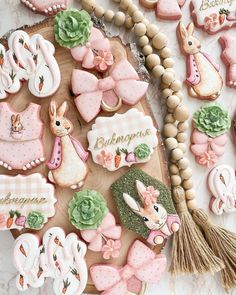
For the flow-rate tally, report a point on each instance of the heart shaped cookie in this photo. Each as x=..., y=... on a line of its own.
x=46, y=7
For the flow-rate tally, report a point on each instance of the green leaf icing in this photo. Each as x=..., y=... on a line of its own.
x=142, y=151
x=72, y=28
x=212, y=119
x=87, y=209
x=35, y=220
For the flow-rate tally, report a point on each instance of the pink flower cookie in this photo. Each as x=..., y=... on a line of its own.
x=123, y=85
x=143, y=266
x=47, y=7
x=20, y=137
x=26, y=202
x=59, y=257
x=228, y=44
x=222, y=185
x=68, y=160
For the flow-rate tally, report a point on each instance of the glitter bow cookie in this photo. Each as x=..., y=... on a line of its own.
x=143, y=265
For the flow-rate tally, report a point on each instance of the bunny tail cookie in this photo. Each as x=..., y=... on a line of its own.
x=203, y=80
x=67, y=164
x=222, y=185
x=47, y=7
x=145, y=206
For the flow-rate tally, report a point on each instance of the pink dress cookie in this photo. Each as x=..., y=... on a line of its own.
x=47, y=7
x=20, y=137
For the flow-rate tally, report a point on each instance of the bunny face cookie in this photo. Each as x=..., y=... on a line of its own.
x=203, y=80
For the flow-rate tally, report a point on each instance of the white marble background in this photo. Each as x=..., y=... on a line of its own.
x=13, y=15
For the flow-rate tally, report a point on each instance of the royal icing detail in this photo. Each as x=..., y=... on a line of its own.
x=122, y=140
x=21, y=137
x=25, y=201
x=67, y=164
x=209, y=137
x=31, y=59
x=213, y=16
x=143, y=266
x=145, y=206
x=94, y=94
x=59, y=257
x=46, y=7
x=203, y=80
x=222, y=185
x=228, y=56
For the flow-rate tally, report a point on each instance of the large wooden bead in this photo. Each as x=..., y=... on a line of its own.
x=152, y=30
x=187, y=184
x=143, y=41
x=180, y=95
x=158, y=71
x=171, y=143
x=190, y=194
x=165, y=52
x=173, y=169
x=170, y=130
x=159, y=40
x=147, y=50
x=117, y=1
x=182, y=146
x=166, y=92
x=176, y=85
x=168, y=62
x=177, y=154
x=186, y=173
x=152, y=60
x=175, y=180
x=169, y=118
x=192, y=204
x=109, y=15
x=99, y=11
x=181, y=113
x=124, y=4
x=137, y=16
x=167, y=78
x=88, y=5
x=181, y=137
x=139, y=29
x=145, y=21
x=183, y=126
x=183, y=163
x=172, y=101
x=132, y=8
x=119, y=18
x=129, y=22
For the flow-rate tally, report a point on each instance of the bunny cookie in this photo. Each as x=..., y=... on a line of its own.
x=204, y=80
x=67, y=164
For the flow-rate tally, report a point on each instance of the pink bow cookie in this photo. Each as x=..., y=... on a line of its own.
x=206, y=149
x=143, y=266
x=86, y=54
x=94, y=94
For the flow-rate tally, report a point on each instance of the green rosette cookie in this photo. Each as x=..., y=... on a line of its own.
x=87, y=209
x=72, y=28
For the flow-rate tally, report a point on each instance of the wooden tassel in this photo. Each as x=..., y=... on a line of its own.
x=190, y=251
x=223, y=244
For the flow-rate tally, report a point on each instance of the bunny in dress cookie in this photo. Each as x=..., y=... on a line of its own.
x=155, y=216
x=203, y=78
x=67, y=164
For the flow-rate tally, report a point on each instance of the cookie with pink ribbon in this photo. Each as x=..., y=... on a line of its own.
x=122, y=85
x=222, y=186
x=143, y=266
x=67, y=164
x=58, y=257
x=145, y=206
x=45, y=7
x=210, y=125
x=213, y=16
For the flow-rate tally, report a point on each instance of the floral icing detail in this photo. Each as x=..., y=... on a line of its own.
x=150, y=195
x=72, y=28
x=212, y=119
x=87, y=209
x=103, y=60
x=211, y=21
x=208, y=159
x=111, y=249
x=104, y=159
x=35, y=220
x=142, y=151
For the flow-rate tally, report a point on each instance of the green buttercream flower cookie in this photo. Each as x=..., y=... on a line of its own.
x=35, y=220
x=72, y=28
x=142, y=151
x=87, y=209
x=212, y=119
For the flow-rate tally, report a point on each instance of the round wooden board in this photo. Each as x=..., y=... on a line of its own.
x=98, y=178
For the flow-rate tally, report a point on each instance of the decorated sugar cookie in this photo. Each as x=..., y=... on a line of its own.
x=67, y=164
x=93, y=94
x=142, y=266
x=208, y=140
x=203, y=80
x=228, y=56
x=47, y=7
x=20, y=137
x=59, y=257
x=145, y=206
x=25, y=201
x=122, y=140
x=213, y=16
x=222, y=185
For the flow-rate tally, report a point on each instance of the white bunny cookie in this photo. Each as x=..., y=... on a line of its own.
x=203, y=78
x=222, y=185
x=67, y=164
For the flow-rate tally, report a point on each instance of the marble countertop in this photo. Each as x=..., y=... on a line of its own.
x=13, y=15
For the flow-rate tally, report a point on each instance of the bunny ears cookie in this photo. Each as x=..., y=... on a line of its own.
x=145, y=206
x=67, y=164
x=203, y=80
x=47, y=7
